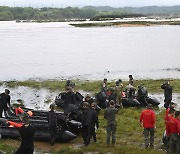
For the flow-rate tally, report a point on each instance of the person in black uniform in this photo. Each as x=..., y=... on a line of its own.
x=167, y=93
x=4, y=101
x=70, y=97
x=89, y=119
x=52, y=120
x=27, y=133
x=93, y=106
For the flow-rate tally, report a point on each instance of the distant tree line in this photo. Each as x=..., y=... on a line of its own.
x=168, y=11
x=59, y=14
x=28, y=13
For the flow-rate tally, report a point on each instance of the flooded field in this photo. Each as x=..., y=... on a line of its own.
x=42, y=98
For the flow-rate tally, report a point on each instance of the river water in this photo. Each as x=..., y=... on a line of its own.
x=58, y=51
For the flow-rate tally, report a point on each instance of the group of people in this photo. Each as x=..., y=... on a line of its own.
x=90, y=120
x=172, y=128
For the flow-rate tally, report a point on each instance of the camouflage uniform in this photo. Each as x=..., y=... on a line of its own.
x=118, y=92
x=110, y=115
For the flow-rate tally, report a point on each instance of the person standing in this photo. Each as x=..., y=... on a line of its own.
x=167, y=93
x=131, y=80
x=142, y=95
x=148, y=120
x=4, y=101
x=173, y=131
x=118, y=92
x=27, y=133
x=167, y=118
x=104, y=86
x=110, y=116
x=70, y=97
x=52, y=121
x=89, y=119
x=93, y=106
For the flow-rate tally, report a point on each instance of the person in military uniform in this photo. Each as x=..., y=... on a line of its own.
x=118, y=92
x=130, y=91
x=110, y=116
x=104, y=86
x=4, y=101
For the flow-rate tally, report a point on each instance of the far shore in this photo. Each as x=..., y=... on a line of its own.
x=126, y=23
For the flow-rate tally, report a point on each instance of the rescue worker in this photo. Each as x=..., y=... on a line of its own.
x=167, y=118
x=172, y=106
x=131, y=80
x=118, y=92
x=4, y=101
x=148, y=120
x=173, y=131
x=167, y=93
x=52, y=121
x=18, y=110
x=130, y=91
x=142, y=95
x=104, y=86
x=70, y=97
x=89, y=119
x=110, y=116
x=88, y=99
x=27, y=133
x=69, y=83
x=93, y=106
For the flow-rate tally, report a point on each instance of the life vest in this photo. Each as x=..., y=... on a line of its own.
x=14, y=124
x=18, y=110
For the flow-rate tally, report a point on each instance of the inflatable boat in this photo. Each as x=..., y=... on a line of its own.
x=12, y=132
x=130, y=102
x=60, y=99
x=40, y=122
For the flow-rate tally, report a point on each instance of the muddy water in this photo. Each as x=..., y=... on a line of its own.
x=42, y=98
x=58, y=50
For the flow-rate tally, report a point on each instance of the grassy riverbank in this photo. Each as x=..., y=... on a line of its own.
x=129, y=134
x=153, y=86
x=130, y=139
x=126, y=24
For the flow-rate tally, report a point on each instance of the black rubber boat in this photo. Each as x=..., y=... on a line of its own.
x=12, y=132
x=40, y=122
x=130, y=102
x=152, y=101
x=60, y=99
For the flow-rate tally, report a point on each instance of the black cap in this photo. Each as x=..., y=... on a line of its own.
x=7, y=91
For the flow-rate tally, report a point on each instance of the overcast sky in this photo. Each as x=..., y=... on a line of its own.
x=80, y=3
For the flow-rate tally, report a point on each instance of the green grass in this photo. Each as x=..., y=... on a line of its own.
x=5, y=147
x=153, y=86
x=129, y=135
x=130, y=139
